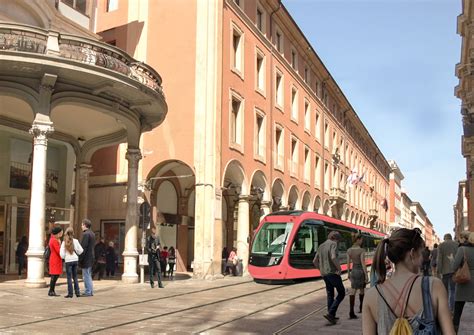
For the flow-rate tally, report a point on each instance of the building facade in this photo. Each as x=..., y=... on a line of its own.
x=395, y=196
x=64, y=94
x=465, y=92
x=461, y=222
x=256, y=124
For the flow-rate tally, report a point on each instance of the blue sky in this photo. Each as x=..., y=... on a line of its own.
x=395, y=61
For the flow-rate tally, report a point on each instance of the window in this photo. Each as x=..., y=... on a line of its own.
x=326, y=134
x=259, y=134
x=305, y=244
x=317, y=172
x=79, y=5
x=239, y=2
x=318, y=127
x=237, y=50
x=112, y=5
x=334, y=140
x=326, y=176
x=280, y=146
x=294, y=59
x=279, y=41
x=307, y=115
x=236, y=120
x=260, y=73
x=260, y=19
x=294, y=104
x=279, y=89
x=306, y=75
x=294, y=157
x=307, y=165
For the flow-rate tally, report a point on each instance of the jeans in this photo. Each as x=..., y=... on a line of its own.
x=450, y=287
x=87, y=278
x=154, y=267
x=334, y=281
x=71, y=272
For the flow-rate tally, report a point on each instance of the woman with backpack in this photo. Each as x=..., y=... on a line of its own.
x=55, y=261
x=397, y=302
x=70, y=251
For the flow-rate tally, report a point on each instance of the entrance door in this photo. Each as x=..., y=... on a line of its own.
x=114, y=230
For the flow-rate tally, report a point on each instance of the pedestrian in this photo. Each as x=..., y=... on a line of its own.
x=446, y=252
x=400, y=296
x=87, y=257
x=55, y=262
x=464, y=292
x=21, y=250
x=232, y=262
x=357, y=274
x=70, y=250
x=434, y=260
x=425, y=266
x=153, y=248
x=171, y=261
x=164, y=260
x=326, y=260
x=110, y=260
x=99, y=255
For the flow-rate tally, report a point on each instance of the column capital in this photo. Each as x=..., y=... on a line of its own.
x=40, y=132
x=133, y=156
x=244, y=198
x=84, y=170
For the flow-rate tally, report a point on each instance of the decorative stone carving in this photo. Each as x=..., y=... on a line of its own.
x=133, y=156
x=40, y=133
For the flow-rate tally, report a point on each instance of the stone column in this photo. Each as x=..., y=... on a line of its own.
x=130, y=253
x=40, y=131
x=265, y=206
x=243, y=232
x=82, y=193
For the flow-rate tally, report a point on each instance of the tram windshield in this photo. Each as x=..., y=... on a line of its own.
x=272, y=238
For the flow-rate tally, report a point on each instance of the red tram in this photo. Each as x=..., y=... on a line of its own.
x=285, y=244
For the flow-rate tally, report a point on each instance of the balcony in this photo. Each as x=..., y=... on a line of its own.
x=338, y=199
x=85, y=65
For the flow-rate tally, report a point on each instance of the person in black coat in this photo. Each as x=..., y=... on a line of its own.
x=153, y=248
x=21, y=254
x=86, y=259
x=99, y=253
x=111, y=260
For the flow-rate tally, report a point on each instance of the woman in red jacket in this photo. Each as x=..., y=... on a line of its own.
x=55, y=261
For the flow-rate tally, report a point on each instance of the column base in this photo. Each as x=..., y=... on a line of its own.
x=130, y=278
x=35, y=283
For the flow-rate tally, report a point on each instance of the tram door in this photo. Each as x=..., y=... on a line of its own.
x=305, y=245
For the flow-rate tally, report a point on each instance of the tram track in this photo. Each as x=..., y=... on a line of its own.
x=119, y=306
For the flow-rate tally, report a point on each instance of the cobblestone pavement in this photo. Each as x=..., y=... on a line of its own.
x=225, y=306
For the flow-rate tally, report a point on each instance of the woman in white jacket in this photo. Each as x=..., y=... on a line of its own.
x=70, y=251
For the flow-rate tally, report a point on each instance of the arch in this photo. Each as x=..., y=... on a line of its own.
x=259, y=185
x=306, y=201
x=327, y=208
x=346, y=215
x=26, y=12
x=317, y=205
x=21, y=92
x=293, y=198
x=352, y=217
x=278, y=195
x=234, y=177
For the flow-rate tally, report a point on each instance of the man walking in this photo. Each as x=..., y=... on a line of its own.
x=446, y=252
x=153, y=247
x=326, y=260
x=87, y=257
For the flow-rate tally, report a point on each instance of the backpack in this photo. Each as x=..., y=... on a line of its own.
x=46, y=253
x=401, y=325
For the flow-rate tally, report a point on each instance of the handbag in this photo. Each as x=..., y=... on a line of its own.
x=462, y=275
x=427, y=324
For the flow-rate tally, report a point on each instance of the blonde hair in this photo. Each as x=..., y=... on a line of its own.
x=465, y=234
x=69, y=240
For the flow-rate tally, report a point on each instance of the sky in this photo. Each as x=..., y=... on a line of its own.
x=395, y=62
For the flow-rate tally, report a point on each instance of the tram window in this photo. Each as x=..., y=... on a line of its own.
x=272, y=238
x=304, y=246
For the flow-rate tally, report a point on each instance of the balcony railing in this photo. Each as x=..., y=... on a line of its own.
x=20, y=177
x=22, y=38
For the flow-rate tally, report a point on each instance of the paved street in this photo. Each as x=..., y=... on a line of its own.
x=226, y=306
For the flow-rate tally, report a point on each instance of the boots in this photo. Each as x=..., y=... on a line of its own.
x=361, y=300
x=351, y=307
